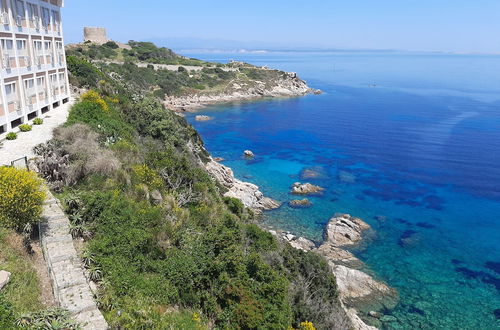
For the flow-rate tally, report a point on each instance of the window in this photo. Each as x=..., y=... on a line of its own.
x=20, y=9
x=33, y=15
x=56, y=19
x=22, y=52
x=40, y=85
x=12, y=97
x=45, y=17
x=38, y=50
x=29, y=89
x=8, y=59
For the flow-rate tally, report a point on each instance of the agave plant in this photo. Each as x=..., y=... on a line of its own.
x=88, y=258
x=95, y=273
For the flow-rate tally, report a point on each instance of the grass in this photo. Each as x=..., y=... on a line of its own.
x=23, y=290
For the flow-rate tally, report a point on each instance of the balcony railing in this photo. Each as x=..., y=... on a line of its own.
x=31, y=99
x=14, y=106
x=5, y=18
x=8, y=62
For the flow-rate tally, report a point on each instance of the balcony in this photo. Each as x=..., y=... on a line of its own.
x=9, y=62
x=14, y=107
x=24, y=61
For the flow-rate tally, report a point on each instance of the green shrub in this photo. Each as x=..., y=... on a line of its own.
x=11, y=136
x=25, y=127
x=37, y=121
x=22, y=198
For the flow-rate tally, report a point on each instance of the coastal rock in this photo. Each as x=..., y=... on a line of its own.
x=300, y=203
x=343, y=230
x=247, y=192
x=299, y=243
x=248, y=153
x=219, y=159
x=359, y=290
x=376, y=315
x=338, y=256
x=288, y=85
x=356, y=322
x=203, y=118
x=4, y=278
x=306, y=189
x=317, y=92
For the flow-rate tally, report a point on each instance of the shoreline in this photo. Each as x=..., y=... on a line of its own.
x=288, y=86
x=361, y=296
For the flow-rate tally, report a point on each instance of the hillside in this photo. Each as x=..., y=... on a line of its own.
x=184, y=83
x=164, y=246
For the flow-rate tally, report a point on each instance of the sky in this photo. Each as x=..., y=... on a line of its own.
x=412, y=25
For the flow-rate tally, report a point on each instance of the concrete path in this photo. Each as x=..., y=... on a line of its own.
x=23, y=145
x=70, y=286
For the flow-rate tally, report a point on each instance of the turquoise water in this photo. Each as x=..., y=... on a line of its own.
x=414, y=138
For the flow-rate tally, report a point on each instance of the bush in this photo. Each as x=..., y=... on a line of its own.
x=25, y=127
x=22, y=198
x=37, y=121
x=11, y=136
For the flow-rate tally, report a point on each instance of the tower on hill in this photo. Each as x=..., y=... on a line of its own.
x=95, y=34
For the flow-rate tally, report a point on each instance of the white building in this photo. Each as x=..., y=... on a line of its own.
x=33, y=74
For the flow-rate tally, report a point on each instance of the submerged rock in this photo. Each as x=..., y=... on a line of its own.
x=4, y=278
x=300, y=203
x=203, y=118
x=346, y=177
x=306, y=189
x=343, y=230
x=311, y=173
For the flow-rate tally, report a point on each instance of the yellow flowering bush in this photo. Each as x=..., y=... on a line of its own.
x=21, y=198
x=147, y=176
x=307, y=326
x=94, y=97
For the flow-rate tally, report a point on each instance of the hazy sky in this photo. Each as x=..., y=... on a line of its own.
x=427, y=25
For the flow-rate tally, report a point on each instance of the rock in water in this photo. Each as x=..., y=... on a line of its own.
x=248, y=193
x=361, y=291
x=203, y=118
x=306, y=189
x=343, y=230
x=300, y=203
x=4, y=278
x=248, y=153
x=219, y=159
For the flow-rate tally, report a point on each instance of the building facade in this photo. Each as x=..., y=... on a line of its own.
x=33, y=73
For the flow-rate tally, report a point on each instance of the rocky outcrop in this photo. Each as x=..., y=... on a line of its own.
x=248, y=153
x=4, y=278
x=287, y=85
x=344, y=230
x=299, y=243
x=203, y=118
x=359, y=290
x=248, y=193
x=306, y=189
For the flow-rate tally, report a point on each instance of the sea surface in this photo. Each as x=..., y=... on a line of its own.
x=408, y=142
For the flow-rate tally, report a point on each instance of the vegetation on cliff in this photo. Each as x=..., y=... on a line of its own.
x=164, y=246
x=137, y=66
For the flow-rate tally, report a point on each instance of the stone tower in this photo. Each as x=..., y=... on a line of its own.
x=95, y=34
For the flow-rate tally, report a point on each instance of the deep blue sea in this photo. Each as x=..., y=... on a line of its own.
x=414, y=138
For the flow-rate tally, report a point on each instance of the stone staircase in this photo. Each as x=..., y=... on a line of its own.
x=70, y=286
